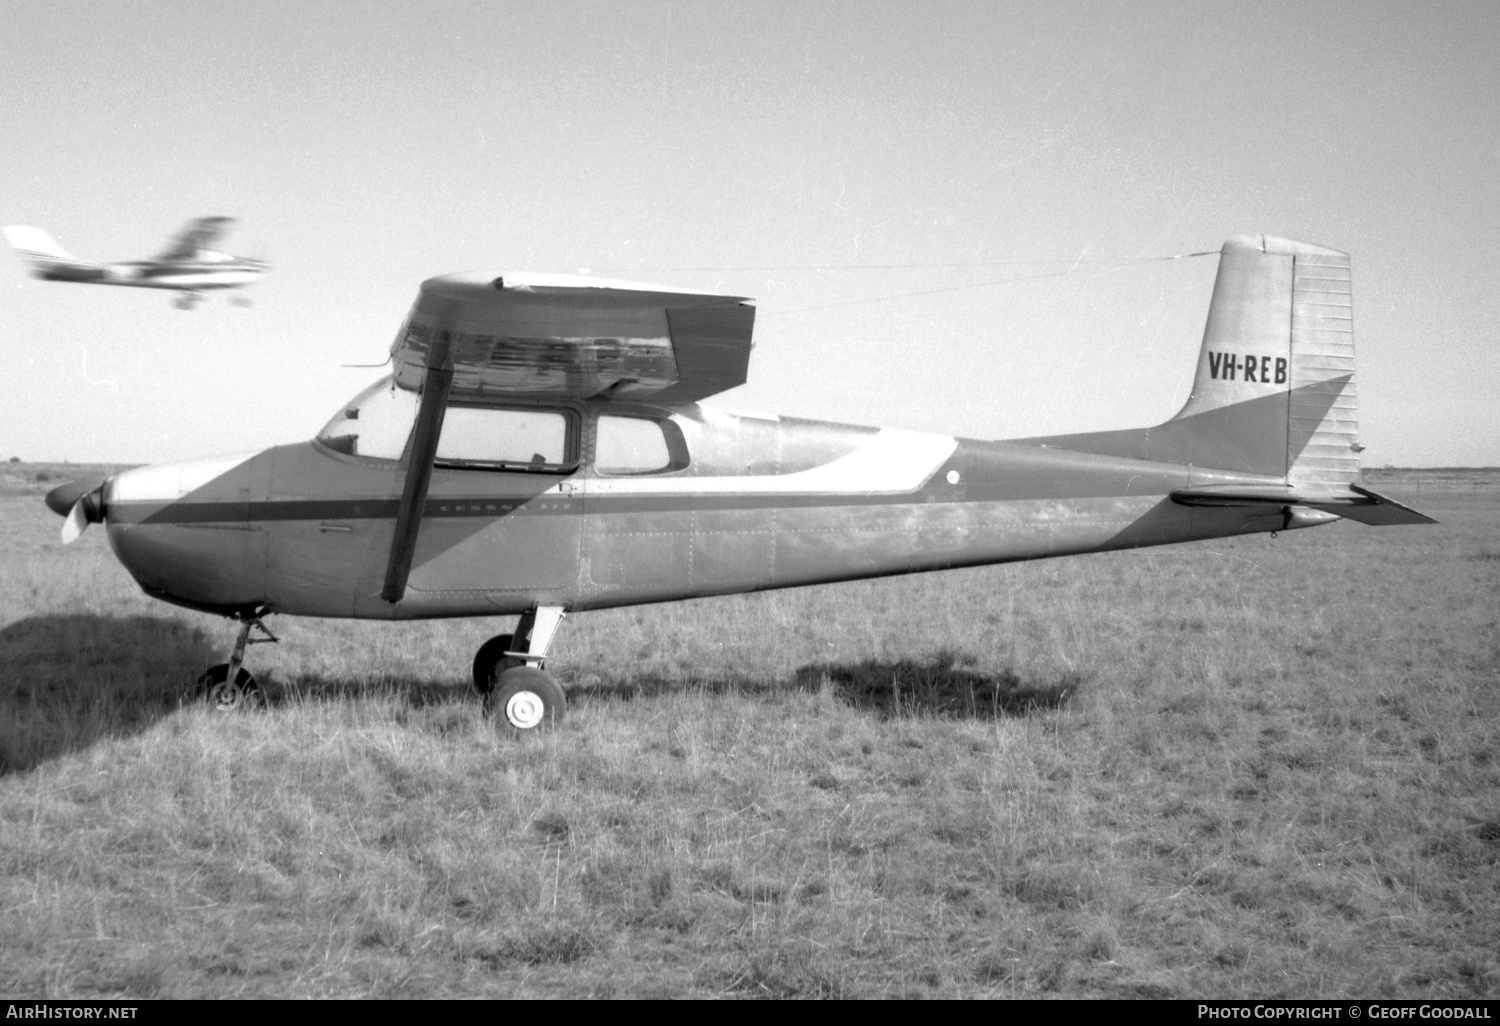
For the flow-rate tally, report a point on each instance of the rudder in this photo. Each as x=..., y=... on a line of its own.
x=1322, y=420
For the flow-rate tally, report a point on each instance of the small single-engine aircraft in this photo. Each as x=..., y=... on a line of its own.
x=188, y=265
x=539, y=450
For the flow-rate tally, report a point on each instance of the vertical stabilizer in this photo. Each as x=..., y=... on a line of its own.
x=36, y=246
x=1273, y=394
x=1280, y=336
x=1249, y=321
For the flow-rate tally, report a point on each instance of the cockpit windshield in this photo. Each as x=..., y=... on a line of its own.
x=376, y=423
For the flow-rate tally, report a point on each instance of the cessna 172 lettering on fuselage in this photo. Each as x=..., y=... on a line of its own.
x=188, y=265
x=539, y=450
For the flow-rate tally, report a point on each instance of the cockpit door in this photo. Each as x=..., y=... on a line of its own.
x=503, y=511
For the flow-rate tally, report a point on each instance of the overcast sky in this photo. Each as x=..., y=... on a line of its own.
x=761, y=149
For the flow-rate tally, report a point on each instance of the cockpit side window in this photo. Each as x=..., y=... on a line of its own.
x=376, y=423
x=507, y=439
x=638, y=445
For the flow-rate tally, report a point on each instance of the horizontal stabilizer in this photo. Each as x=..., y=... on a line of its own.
x=1384, y=510
x=1354, y=503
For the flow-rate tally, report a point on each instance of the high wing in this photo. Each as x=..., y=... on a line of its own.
x=576, y=337
x=475, y=339
x=197, y=234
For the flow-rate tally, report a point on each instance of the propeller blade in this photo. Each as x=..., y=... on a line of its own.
x=77, y=522
x=82, y=503
x=63, y=498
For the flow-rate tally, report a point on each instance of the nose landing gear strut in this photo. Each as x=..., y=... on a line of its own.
x=229, y=686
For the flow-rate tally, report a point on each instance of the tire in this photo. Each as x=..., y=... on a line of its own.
x=525, y=700
x=488, y=661
x=215, y=693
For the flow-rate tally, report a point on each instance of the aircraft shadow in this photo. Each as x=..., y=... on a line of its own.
x=68, y=680
x=940, y=685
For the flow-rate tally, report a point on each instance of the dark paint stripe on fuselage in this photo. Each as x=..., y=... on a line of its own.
x=1059, y=488
x=385, y=509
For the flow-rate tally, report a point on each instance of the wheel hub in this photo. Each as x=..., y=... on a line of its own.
x=525, y=710
x=225, y=696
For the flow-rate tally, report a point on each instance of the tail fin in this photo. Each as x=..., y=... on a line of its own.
x=1273, y=399
x=1279, y=345
x=1274, y=391
x=36, y=246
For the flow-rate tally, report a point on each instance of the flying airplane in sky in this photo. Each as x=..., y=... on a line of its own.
x=539, y=450
x=187, y=265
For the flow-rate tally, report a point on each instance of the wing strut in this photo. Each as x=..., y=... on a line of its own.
x=435, y=387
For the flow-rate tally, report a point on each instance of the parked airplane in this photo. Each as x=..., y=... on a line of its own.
x=539, y=450
x=188, y=265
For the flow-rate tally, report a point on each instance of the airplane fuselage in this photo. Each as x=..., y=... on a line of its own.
x=745, y=503
x=184, y=277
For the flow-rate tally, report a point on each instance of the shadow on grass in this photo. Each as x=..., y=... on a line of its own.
x=945, y=684
x=939, y=685
x=68, y=680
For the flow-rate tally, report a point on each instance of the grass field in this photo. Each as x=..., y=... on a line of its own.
x=1260, y=767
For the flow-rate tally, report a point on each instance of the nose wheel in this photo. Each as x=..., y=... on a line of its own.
x=220, y=694
x=229, y=686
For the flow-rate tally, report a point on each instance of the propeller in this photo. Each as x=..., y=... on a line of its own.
x=82, y=502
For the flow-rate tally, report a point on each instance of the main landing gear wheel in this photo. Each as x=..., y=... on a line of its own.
x=525, y=699
x=490, y=661
x=217, y=693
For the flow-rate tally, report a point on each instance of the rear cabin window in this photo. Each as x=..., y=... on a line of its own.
x=510, y=439
x=631, y=445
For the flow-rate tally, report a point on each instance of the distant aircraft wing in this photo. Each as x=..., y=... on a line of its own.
x=1356, y=503
x=197, y=234
x=577, y=337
